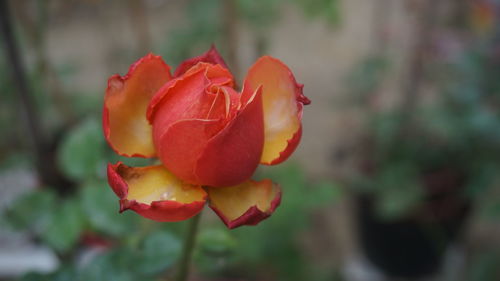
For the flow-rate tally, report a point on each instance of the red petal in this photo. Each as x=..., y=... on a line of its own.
x=211, y=56
x=217, y=74
x=181, y=145
x=189, y=96
x=232, y=155
x=124, y=116
x=245, y=204
x=183, y=98
x=155, y=193
x=283, y=101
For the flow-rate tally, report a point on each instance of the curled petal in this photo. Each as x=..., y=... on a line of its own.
x=127, y=97
x=217, y=74
x=155, y=193
x=283, y=102
x=245, y=204
x=182, y=98
x=212, y=56
x=233, y=154
x=190, y=96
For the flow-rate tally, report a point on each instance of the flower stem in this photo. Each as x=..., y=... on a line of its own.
x=188, y=249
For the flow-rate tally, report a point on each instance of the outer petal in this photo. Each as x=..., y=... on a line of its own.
x=245, y=204
x=125, y=103
x=233, y=154
x=155, y=193
x=283, y=101
x=181, y=145
x=211, y=56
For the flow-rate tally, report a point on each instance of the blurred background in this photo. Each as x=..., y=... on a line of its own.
x=396, y=177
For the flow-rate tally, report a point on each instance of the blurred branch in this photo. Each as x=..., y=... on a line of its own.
x=20, y=81
x=44, y=161
x=36, y=29
x=188, y=248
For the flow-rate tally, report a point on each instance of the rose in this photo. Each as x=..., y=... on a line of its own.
x=209, y=138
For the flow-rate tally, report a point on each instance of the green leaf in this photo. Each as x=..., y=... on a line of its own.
x=159, y=251
x=215, y=241
x=216, y=250
x=81, y=153
x=115, y=265
x=399, y=190
x=101, y=206
x=65, y=226
x=35, y=276
x=66, y=272
x=32, y=211
x=323, y=193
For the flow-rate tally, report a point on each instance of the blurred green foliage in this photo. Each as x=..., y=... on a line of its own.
x=128, y=247
x=325, y=9
x=81, y=152
x=204, y=21
x=124, y=246
x=457, y=131
x=485, y=267
x=272, y=249
x=138, y=249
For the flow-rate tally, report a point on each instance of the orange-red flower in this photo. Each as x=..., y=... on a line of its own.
x=209, y=137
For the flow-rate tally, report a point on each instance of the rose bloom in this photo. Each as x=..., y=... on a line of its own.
x=209, y=137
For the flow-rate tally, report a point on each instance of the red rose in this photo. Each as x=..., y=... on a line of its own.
x=209, y=137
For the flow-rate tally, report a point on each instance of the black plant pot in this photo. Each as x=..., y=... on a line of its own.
x=414, y=246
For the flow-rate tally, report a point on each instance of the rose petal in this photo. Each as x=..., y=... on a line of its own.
x=211, y=56
x=182, y=144
x=127, y=97
x=233, y=154
x=283, y=101
x=245, y=204
x=189, y=96
x=183, y=98
x=155, y=193
x=217, y=74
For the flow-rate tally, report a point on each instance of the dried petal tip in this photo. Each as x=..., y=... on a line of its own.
x=301, y=98
x=245, y=204
x=155, y=193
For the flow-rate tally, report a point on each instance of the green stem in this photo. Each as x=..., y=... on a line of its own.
x=188, y=248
